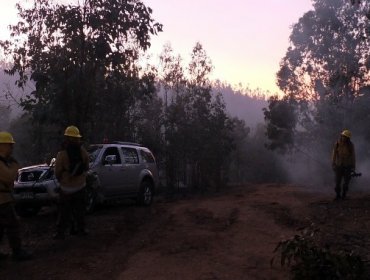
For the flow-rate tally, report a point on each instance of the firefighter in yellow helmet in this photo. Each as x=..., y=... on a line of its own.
x=343, y=162
x=71, y=166
x=8, y=220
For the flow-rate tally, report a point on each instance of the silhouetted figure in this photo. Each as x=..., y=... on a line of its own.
x=343, y=162
x=8, y=220
x=71, y=167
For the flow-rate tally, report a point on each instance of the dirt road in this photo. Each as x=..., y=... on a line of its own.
x=230, y=235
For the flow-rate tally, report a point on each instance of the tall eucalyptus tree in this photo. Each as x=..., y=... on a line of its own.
x=82, y=59
x=325, y=70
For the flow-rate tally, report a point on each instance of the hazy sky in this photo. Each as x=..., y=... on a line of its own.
x=245, y=39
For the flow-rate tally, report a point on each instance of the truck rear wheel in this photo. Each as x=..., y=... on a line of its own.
x=146, y=193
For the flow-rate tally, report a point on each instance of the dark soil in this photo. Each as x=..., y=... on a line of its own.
x=229, y=235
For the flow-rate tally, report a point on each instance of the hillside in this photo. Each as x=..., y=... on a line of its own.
x=243, y=106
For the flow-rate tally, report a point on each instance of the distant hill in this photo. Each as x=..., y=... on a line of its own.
x=246, y=106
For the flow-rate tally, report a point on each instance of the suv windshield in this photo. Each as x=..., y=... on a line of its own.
x=94, y=151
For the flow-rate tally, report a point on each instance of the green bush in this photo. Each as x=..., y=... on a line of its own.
x=308, y=261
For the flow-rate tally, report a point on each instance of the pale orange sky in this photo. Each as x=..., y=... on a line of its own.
x=245, y=39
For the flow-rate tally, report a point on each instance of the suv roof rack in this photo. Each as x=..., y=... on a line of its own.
x=126, y=143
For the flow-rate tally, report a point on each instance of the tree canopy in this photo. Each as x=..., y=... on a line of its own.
x=80, y=58
x=82, y=61
x=326, y=69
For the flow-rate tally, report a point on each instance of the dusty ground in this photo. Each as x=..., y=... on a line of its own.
x=230, y=235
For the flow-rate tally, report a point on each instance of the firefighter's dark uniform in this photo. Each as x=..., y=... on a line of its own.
x=72, y=196
x=8, y=220
x=9, y=223
x=344, y=162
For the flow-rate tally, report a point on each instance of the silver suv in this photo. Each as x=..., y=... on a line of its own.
x=35, y=186
x=117, y=170
x=123, y=170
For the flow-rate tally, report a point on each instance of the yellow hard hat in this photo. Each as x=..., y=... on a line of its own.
x=346, y=133
x=6, y=138
x=72, y=131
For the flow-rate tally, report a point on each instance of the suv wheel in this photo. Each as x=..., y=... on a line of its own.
x=90, y=200
x=146, y=193
x=27, y=210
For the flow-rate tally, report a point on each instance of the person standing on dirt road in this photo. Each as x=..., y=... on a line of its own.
x=8, y=220
x=343, y=163
x=71, y=166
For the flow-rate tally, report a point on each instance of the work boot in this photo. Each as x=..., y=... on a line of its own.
x=337, y=197
x=21, y=255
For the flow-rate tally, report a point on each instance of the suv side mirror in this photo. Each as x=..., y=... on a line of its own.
x=52, y=162
x=110, y=159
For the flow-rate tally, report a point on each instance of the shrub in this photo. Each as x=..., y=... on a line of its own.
x=308, y=261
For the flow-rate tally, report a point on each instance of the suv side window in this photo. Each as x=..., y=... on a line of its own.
x=112, y=151
x=147, y=156
x=130, y=155
x=94, y=151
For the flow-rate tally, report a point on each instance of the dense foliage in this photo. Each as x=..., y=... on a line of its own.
x=82, y=60
x=83, y=65
x=310, y=261
x=324, y=76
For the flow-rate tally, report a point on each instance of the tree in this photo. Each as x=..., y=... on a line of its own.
x=5, y=112
x=326, y=67
x=281, y=123
x=219, y=144
x=197, y=128
x=326, y=53
x=82, y=59
x=326, y=59
x=172, y=81
x=171, y=74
